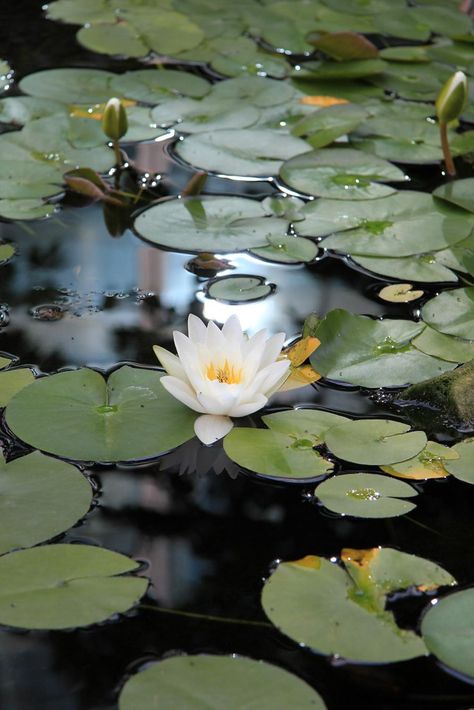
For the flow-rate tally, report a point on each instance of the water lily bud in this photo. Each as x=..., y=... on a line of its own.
x=114, y=121
x=452, y=98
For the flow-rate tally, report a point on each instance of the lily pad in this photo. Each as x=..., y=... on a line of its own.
x=18, y=110
x=372, y=353
x=213, y=224
x=446, y=347
x=69, y=85
x=375, y=442
x=319, y=604
x=463, y=467
x=399, y=293
x=424, y=268
x=340, y=173
x=405, y=54
x=12, y=381
x=238, y=288
x=448, y=631
x=365, y=495
x=154, y=85
x=117, y=38
x=41, y=497
x=287, y=249
x=274, y=454
x=352, y=69
x=80, y=415
x=245, y=152
x=256, y=90
x=6, y=361
x=216, y=682
x=452, y=312
x=25, y=209
x=413, y=80
x=65, y=586
x=302, y=423
x=24, y=179
x=458, y=192
x=327, y=124
x=429, y=463
x=207, y=114
x=7, y=252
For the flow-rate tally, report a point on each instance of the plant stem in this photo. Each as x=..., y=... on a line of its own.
x=205, y=617
x=118, y=154
x=448, y=158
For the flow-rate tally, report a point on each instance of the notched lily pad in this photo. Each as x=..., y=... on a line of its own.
x=65, y=586
x=238, y=289
x=365, y=495
x=12, y=381
x=452, y=312
x=7, y=252
x=462, y=467
x=429, y=463
x=399, y=293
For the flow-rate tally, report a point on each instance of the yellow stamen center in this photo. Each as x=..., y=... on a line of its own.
x=227, y=374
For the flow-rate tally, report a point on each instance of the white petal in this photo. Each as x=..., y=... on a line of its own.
x=241, y=410
x=170, y=362
x=273, y=348
x=215, y=341
x=210, y=428
x=219, y=398
x=275, y=372
x=232, y=330
x=196, y=329
x=189, y=357
x=183, y=392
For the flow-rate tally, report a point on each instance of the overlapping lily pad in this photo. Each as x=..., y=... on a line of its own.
x=208, y=114
x=452, y=312
x=341, y=174
x=365, y=495
x=429, y=463
x=337, y=611
x=12, y=381
x=372, y=353
x=424, y=268
x=458, y=192
x=65, y=586
x=463, y=467
x=216, y=682
x=287, y=249
x=448, y=631
x=213, y=224
x=41, y=497
x=7, y=252
x=311, y=424
x=445, y=347
x=80, y=415
x=246, y=152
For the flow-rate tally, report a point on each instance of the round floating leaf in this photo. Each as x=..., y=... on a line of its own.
x=256, y=90
x=452, y=312
x=372, y=353
x=353, y=69
x=7, y=251
x=399, y=293
x=316, y=603
x=213, y=224
x=210, y=113
x=413, y=80
x=12, y=382
x=287, y=249
x=463, y=467
x=340, y=173
x=80, y=415
x=166, y=32
x=65, y=586
x=405, y=54
x=216, y=682
x=429, y=463
x=304, y=423
x=245, y=152
x=18, y=110
x=24, y=179
x=323, y=88
x=424, y=268
x=365, y=495
x=458, y=192
x=25, y=209
x=272, y=453
x=154, y=85
x=446, y=347
x=327, y=124
x=448, y=631
x=113, y=38
x=238, y=289
x=72, y=86
x=375, y=442
x=6, y=361
x=40, y=498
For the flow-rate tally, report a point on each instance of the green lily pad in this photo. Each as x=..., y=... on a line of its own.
x=443, y=20
x=372, y=353
x=365, y=495
x=245, y=152
x=25, y=209
x=41, y=497
x=327, y=124
x=287, y=249
x=24, y=179
x=80, y=13
x=213, y=224
x=6, y=361
x=281, y=205
x=309, y=424
x=458, y=192
x=446, y=347
x=80, y=415
x=353, y=69
x=452, y=312
x=12, y=381
x=18, y=110
x=463, y=467
x=7, y=252
x=276, y=455
x=210, y=113
x=323, y=606
x=154, y=85
x=340, y=173
x=448, y=631
x=340, y=88
x=238, y=289
x=375, y=442
x=69, y=85
x=216, y=682
x=65, y=586
x=418, y=267
x=413, y=80
x=405, y=54
x=429, y=463
x=256, y=90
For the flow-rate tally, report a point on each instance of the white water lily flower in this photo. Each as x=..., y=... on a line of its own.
x=222, y=373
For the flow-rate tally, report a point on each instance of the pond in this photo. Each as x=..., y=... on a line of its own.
x=273, y=522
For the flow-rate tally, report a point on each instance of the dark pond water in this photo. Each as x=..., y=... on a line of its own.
x=208, y=533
